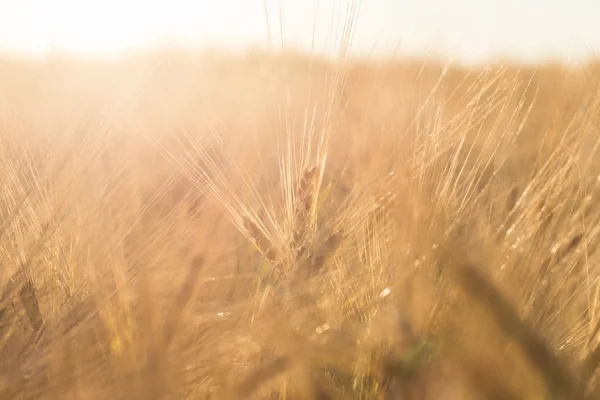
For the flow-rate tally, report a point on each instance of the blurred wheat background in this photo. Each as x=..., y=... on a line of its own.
x=275, y=225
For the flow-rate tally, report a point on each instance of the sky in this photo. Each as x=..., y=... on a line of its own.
x=464, y=30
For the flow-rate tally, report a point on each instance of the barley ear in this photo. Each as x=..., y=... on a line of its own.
x=31, y=304
x=321, y=254
x=262, y=243
x=304, y=203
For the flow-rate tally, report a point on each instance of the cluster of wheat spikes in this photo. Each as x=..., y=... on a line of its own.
x=330, y=310
x=358, y=231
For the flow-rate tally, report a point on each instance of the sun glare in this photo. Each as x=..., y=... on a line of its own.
x=113, y=26
x=468, y=29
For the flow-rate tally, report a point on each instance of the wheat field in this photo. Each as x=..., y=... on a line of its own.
x=277, y=226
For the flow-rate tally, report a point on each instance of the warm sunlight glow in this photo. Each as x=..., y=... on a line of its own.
x=470, y=29
x=113, y=26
